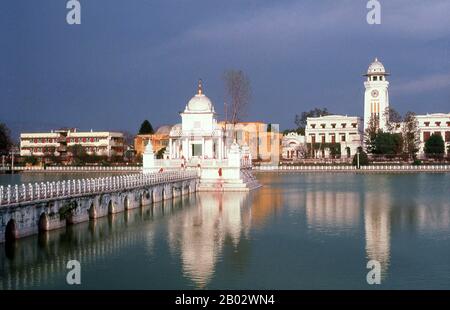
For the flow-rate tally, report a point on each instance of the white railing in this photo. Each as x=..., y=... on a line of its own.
x=73, y=168
x=438, y=168
x=70, y=188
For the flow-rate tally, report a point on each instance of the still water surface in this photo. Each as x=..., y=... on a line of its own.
x=299, y=231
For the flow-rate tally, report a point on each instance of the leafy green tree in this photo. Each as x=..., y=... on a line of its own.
x=5, y=139
x=388, y=143
x=146, y=128
x=363, y=158
x=435, y=146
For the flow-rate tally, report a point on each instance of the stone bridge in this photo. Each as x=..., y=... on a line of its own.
x=29, y=209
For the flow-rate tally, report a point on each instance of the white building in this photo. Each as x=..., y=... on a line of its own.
x=437, y=123
x=198, y=136
x=322, y=132
x=293, y=146
x=57, y=142
x=199, y=142
x=376, y=97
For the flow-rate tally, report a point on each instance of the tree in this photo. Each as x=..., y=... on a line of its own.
x=371, y=133
x=238, y=92
x=146, y=128
x=301, y=120
x=410, y=132
x=363, y=158
x=435, y=146
x=5, y=139
x=78, y=153
x=388, y=143
x=160, y=153
x=393, y=119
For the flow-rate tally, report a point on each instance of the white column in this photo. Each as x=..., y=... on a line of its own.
x=203, y=147
x=170, y=149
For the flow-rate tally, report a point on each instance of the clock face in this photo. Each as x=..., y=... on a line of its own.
x=374, y=93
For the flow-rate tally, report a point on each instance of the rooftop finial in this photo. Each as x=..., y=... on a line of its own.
x=200, y=87
x=376, y=58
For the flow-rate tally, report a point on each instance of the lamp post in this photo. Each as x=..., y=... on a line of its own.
x=357, y=160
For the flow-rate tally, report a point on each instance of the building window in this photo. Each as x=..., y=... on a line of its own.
x=313, y=139
x=343, y=138
x=437, y=133
x=333, y=125
x=322, y=125
x=196, y=150
x=375, y=78
x=313, y=126
x=354, y=125
x=333, y=139
x=427, y=124
x=343, y=125
x=448, y=124
x=323, y=139
x=426, y=136
x=447, y=136
x=438, y=124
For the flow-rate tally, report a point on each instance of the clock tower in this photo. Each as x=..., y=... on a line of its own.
x=376, y=97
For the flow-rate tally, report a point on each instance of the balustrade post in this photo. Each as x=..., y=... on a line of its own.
x=24, y=192
x=8, y=194
x=1, y=195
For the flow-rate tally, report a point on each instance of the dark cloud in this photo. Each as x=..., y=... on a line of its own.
x=131, y=60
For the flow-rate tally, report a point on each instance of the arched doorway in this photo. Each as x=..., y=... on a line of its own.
x=110, y=207
x=126, y=203
x=10, y=231
x=43, y=223
x=92, y=212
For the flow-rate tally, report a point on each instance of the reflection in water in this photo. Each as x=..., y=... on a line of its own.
x=199, y=236
x=227, y=240
x=378, y=229
x=329, y=211
x=43, y=258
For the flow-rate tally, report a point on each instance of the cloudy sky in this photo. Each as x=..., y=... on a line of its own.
x=131, y=60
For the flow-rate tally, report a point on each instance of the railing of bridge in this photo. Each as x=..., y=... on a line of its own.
x=74, y=168
x=32, y=192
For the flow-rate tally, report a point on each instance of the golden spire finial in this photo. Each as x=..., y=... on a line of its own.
x=200, y=87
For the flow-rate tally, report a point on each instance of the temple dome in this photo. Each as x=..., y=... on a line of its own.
x=200, y=102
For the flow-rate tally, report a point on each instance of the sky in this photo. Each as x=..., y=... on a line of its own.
x=131, y=60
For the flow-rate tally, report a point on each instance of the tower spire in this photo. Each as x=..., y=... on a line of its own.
x=200, y=87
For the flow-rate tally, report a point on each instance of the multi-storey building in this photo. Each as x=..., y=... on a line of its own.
x=323, y=133
x=437, y=123
x=293, y=146
x=57, y=143
x=159, y=140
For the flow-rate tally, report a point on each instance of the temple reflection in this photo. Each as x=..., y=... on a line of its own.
x=199, y=234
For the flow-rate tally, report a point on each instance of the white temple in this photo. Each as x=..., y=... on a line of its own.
x=199, y=142
x=198, y=136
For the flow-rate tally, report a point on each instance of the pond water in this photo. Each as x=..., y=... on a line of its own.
x=299, y=231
